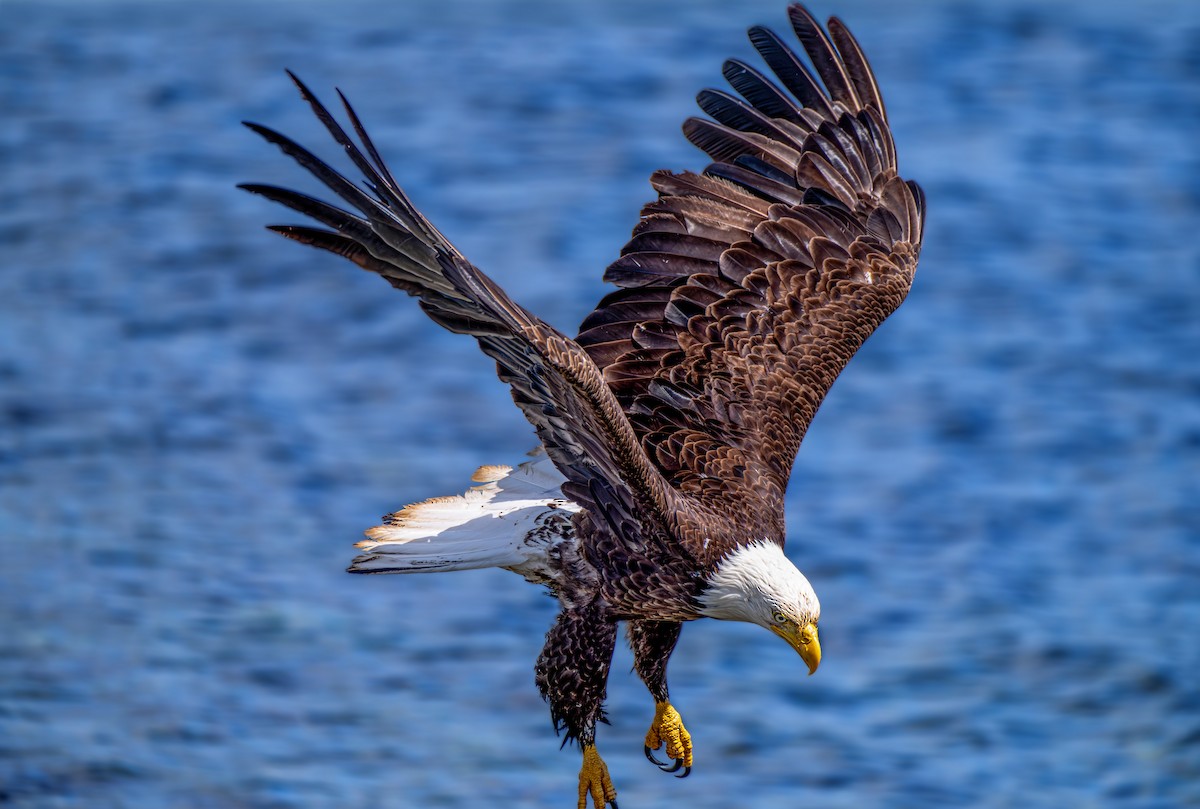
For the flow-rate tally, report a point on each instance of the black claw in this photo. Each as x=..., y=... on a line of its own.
x=664, y=766
x=613, y=803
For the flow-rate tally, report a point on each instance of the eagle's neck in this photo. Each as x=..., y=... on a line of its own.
x=755, y=581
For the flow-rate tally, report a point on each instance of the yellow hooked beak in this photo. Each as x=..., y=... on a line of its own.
x=804, y=640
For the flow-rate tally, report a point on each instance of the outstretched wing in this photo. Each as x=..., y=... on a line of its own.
x=679, y=409
x=553, y=381
x=746, y=289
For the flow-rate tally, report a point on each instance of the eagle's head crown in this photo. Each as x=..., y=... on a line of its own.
x=758, y=584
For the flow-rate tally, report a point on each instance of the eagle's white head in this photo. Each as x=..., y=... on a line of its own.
x=757, y=583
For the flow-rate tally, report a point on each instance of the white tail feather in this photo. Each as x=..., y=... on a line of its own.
x=509, y=521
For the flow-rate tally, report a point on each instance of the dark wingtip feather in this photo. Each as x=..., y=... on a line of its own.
x=788, y=68
x=268, y=134
x=290, y=231
x=306, y=93
x=757, y=89
x=373, y=152
x=316, y=237
x=261, y=189
x=257, y=129
x=857, y=67
x=823, y=55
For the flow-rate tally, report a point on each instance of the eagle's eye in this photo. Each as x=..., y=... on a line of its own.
x=780, y=618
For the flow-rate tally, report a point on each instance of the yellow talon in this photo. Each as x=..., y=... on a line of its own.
x=668, y=728
x=595, y=781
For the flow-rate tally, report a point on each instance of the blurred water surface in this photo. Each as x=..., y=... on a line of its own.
x=998, y=503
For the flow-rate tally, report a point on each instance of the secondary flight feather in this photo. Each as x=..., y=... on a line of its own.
x=668, y=426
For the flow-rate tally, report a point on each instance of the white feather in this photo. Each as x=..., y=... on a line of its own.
x=510, y=521
x=754, y=582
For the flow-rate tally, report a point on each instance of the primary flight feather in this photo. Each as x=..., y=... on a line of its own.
x=669, y=425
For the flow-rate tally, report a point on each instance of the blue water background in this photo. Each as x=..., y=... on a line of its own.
x=998, y=503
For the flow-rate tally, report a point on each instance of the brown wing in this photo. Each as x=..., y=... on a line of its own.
x=557, y=386
x=746, y=289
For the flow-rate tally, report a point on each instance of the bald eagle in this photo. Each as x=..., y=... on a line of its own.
x=669, y=424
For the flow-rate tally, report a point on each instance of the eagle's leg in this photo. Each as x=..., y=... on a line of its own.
x=652, y=643
x=572, y=674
